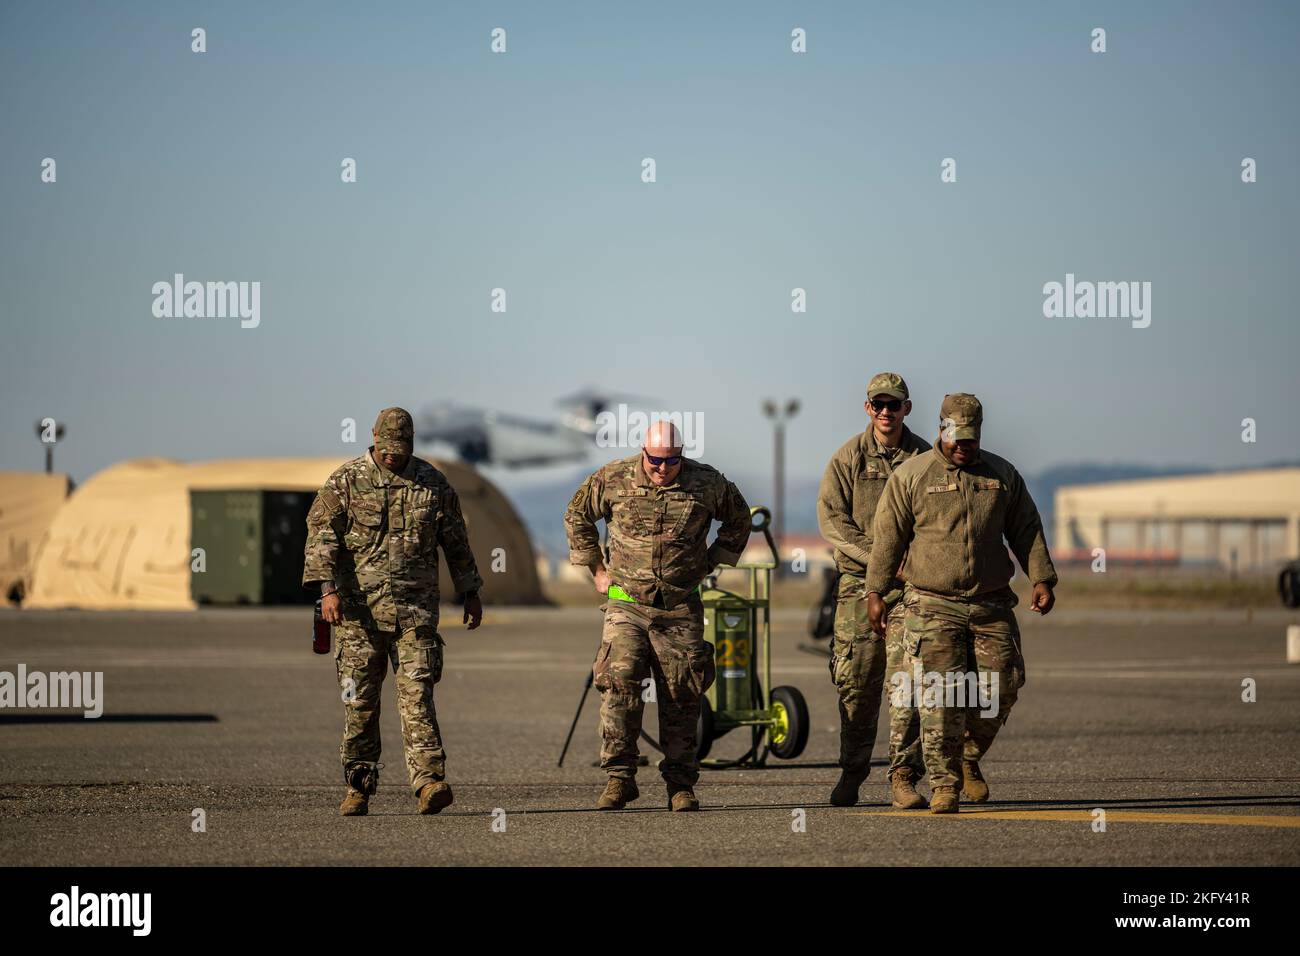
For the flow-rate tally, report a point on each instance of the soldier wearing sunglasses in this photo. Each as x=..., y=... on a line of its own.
x=658, y=507
x=846, y=507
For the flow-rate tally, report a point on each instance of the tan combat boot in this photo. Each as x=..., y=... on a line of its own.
x=682, y=798
x=944, y=800
x=973, y=786
x=355, y=804
x=902, y=784
x=434, y=797
x=618, y=793
x=845, y=793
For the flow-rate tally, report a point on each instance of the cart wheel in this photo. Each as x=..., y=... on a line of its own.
x=788, y=733
x=704, y=729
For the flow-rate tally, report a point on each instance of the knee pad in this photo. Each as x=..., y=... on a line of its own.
x=363, y=777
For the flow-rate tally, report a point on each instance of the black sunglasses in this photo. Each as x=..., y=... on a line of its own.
x=669, y=461
x=880, y=404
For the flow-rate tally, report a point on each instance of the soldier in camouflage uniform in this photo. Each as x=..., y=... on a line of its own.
x=948, y=516
x=846, y=507
x=657, y=506
x=373, y=535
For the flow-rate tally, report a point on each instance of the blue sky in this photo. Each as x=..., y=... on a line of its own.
x=775, y=171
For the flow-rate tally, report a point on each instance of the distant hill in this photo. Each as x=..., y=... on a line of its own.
x=541, y=506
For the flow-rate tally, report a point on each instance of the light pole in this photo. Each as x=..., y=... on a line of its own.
x=49, y=433
x=779, y=417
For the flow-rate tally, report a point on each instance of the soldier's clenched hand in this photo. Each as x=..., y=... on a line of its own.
x=331, y=608
x=473, y=611
x=1043, y=598
x=600, y=577
x=876, y=612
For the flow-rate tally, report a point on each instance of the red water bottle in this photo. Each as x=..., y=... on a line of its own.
x=320, y=632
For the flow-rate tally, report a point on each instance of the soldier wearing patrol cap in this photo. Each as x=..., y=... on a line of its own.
x=373, y=535
x=658, y=507
x=850, y=489
x=947, y=517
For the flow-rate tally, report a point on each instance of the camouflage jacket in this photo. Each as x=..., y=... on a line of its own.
x=657, y=534
x=376, y=535
x=950, y=523
x=850, y=490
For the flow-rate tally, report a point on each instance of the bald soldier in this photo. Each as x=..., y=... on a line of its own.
x=947, y=517
x=657, y=506
x=373, y=535
x=846, y=507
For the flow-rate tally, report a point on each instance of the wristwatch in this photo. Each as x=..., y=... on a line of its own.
x=327, y=587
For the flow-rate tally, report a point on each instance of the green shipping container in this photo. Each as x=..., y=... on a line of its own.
x=253, y=546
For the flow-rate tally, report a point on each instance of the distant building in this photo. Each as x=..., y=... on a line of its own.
x=1246, y=520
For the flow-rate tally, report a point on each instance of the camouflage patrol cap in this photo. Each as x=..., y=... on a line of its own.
x=887, y=383
x=960, y=417
x=394, y=432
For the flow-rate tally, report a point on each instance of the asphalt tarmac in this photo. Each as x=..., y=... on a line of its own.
x=229, y=712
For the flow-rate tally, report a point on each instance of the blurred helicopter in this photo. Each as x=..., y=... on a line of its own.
x=485, y=437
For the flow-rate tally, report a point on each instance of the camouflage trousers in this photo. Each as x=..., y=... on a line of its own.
x=361, y=658
x=953, y=637
x=643, y=647
x=859, y=661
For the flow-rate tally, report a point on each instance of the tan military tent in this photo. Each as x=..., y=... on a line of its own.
x=123, y=539
x=29, y=501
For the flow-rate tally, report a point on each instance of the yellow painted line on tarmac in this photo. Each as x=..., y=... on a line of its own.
x=1112, y=816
